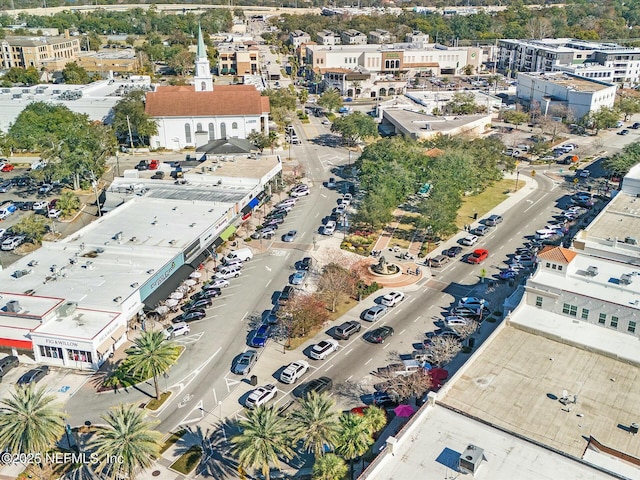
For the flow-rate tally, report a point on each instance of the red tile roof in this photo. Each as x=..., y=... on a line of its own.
x=184, y=101
x=557, y=254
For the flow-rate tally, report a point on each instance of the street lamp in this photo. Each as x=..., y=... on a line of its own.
x=517, y=178
x=224, y=433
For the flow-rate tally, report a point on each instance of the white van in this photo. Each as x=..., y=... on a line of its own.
x=243, y=254
x=545, y=233
x=329, y=228
x=228, y=272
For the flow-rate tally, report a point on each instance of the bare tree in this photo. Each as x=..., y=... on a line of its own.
x=539, y=28
x=552, y=127
x=406, y=386
x=336, y=282
x=443, y=349
x=468, y=329
x=302, y=313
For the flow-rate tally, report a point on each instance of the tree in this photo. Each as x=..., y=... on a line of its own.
x=406, y=386
x=128, y=437
x=376, y=419
x=354, y=437
x=262, y=440
x=32, y=226
x=315, y=423
x=515, y=117
x=356, y=85
x=628, y=105
x=329, y=467
x=95, y=42
x=443, y=350
x=151, y=355
x=330, y=100
x=462, y=104
x=74, y=74
x=468, y=69
x=303, y=96
x=281, y=98
x=335, y=283
x=373, y=212
x=620, y=163
x=68, y=203
x=28, y=76
x=355, y=127
x=467, y=329
x=302, y=313
x=130, y=112
x=281, y=116
x=30, y=421
x=552, y=127
x=262, y=141
x=604, y=117
x=180, y=59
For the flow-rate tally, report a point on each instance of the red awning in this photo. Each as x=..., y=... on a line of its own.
x=20, y=344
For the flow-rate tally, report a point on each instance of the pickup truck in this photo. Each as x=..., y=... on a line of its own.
x=404, y=369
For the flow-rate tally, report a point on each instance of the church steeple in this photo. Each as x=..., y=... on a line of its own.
x=202, y=77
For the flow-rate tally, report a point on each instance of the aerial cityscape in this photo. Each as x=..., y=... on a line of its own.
x=319, y=240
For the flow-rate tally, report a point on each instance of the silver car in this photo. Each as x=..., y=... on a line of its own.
x=245, y=362
x=375, y=313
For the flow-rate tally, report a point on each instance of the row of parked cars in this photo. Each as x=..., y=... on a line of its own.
x=278, y=214
x=34, y=375
x=338, y=214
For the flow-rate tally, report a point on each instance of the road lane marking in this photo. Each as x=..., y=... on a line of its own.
x=323, y=195
x=419, y=317
x=403, y=331
x=244, y=316
x=368, y=361
x=347, y=353
x=268, y=283
x=534, y=203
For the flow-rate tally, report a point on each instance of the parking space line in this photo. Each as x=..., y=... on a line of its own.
x=385, y=347
x=244, y=316
x=350, y=377
x=328, y=368
x=413, y=300
x=348, y=352
x=368, y=361
x=217, y=305
x=268, y=282
x=418, y=318
x=402, y=331
x=398, y=311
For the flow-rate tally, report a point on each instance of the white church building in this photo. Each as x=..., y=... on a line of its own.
x=226, y=111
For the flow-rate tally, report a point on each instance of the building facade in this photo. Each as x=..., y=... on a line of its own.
x=39, y=52
x=328, y=37
x=380, y=36
x=298, y=37
x=579, y=95
x=238, y=58
x=353, y=37
x=121, y=61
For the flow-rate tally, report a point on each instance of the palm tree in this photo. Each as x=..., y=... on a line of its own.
x=29, y=421
x=68, y=203
x=376, y=419
x=263, y=439
x=329, y=467
x=316, y=423
x=354, y=438
x=128, y=438
x=150, y=356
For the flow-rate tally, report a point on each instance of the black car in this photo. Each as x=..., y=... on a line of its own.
x=279, y=212
x=287, y=293
x=207, y=293
x=190, y=316
x=453, y=251
x=33, y=376
x=318, y=385
x=306, y=263
x=635, y=126
x=26, y=206
x=384, y=399
x=6, y=364
x=379, y=335
x=197, y=304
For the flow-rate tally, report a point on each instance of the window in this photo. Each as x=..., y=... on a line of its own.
x=50, y=352
x=198, y=127
x=203, y=86
x=234, y=126
x=187, y=133
x=559, y=267
x=538, y=301
x=602, y=318
x=568, y=309
x=212, y=132
x=547, y=265
x=632, y=327
x=79, y=356
x=223, y=130
x=585, y=314
x=614, y=322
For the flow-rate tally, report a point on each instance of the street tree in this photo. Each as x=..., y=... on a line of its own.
x=355, y=127
x=376, y=419
x=32, y=226
x=329, y=467
x=302, y=313
x=354, y=438
x=95, y=42
x=180, y=59
x=281, y=98
x=443, y=350
x=41, y=124
x=263, y=440
x=552, y=127
x=407, y=386
x=336, y=282
x=27, y=76
x=628, y=105
x=281, y=116
x=129, y=113
x=373, y=212
x=331, y=100
x=315, y=424
x=74, y=74
x=515, y=117
x=462, y=104
x=262, y=141
x=604, y=117
x=150, y=356
x=467, y=329
x=30, y=421
x=127, y=436
x=620, y=163
x=303, y=96
x=68, y=203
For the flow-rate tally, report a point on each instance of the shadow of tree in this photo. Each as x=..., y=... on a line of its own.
x=350, y=390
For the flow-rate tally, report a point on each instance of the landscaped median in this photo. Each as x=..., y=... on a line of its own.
x=188, y=460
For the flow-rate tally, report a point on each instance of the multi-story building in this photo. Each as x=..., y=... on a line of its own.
x=122, y=61
x=52, y=53
x=298, y=37
x=327, y=37
x=353, y=37
x=380, y=36
x=621, y=64
x=417, y=37
x=239, y=58
x=579, y=95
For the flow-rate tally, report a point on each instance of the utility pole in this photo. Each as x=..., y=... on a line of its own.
x=130, y=136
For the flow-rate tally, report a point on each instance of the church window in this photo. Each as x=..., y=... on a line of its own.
x=223, y=130
x=234, y=125
x=203, y=86
x=187, y=133
x=212, y=133
x=198, y=127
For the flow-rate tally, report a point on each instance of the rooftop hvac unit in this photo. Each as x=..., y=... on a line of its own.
x=592, y=271
x=625, y=279
x=67, y=309
x=13, y=306
x=471, y=459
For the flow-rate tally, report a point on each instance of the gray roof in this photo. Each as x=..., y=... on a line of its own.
x=226, y=146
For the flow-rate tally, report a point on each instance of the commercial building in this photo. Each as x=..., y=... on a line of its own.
x=328, y=37
x=420, y=126
x=437, y=100
x=298, y=37
x=417, y=37
x=578, y=95
x=353, y=37
x=70, y=303
x=238, y=58
x=52, y=53
x=124, y=60
x=380, y=36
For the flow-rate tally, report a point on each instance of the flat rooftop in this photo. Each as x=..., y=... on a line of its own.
x=239, y=166
x=619, y=219
x=441, y=435
x=83, y=324
x=579, y=84
x=416, y=122
x=517, y=381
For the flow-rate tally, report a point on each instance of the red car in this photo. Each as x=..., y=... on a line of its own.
x=478, y=256
x=7, y=167
x=153, y=164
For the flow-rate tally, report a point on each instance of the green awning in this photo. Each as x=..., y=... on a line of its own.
x=224, y=70
x=232, y=70
x=228, y=232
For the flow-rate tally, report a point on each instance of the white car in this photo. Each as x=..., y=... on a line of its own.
x=218, y=283
x=294, y=371
x=470, y=240
x=300, y=193
x=40, y=206
x=392, y=299
x=323, y=349
x=55, y=213
x=375, y=313
x=568, y=147
x=261, y=395
x=473, y=302
x=585, y=174
x=455, y=321
x=177, y=329
x=291, y=201
x=555, y=226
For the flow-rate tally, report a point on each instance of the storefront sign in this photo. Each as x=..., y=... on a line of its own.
x=110, y=329
x=61, y=343
x=159, y=278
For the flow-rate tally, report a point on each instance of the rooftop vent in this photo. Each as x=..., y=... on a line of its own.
x=118, y=236
x=67, y=309
x=13, y=306
x=172, y=242
x=592, y=271
x=625, y=279
x=134, y=285
x=471, y=459
x=631, y=241
x=100, y=249
x=117, y=299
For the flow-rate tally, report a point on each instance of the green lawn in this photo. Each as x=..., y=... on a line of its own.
x=173, y=438
x=188, y=460
x=155, y=404
x=485, y=201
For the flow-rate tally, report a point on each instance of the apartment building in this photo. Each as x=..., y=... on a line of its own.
x=238, y=58
x=353, y=37
x=298, y=37
x=52, y=53
x=327, y=37
x=417, y=37
x=105, y=61
x=380, y=37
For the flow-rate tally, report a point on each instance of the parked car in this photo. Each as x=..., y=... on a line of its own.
x=45, y=188
x=7, y=167
x=392, y=299
x=298, y=277
x=317, y=385
x=384, y=399
x=287, y=293
x=55, y=213
x=375, y=313
x=347, y=329
x=478, y=256
x=379, y=335
x=290, y=236
x=34, y=375
x=294, y=371
x=323, y=349
x=623, y=132
x=261, y=396
x=216, y=283
x=190, y=316
x=439, y=261
x=306, y=263
x=585, y=174
x=452, y=252
x=470, y=240
x=507, y=274
x=300, y=193
x=245, y=363
x=6, y=364
x=473, y=302
x=198, y=303
x=493, y=220
x=481, y=230
x=177, y=329
x=635, y=126
x=260, y=336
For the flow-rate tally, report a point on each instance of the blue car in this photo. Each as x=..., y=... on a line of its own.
x=508, y=274
x=259, y=338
